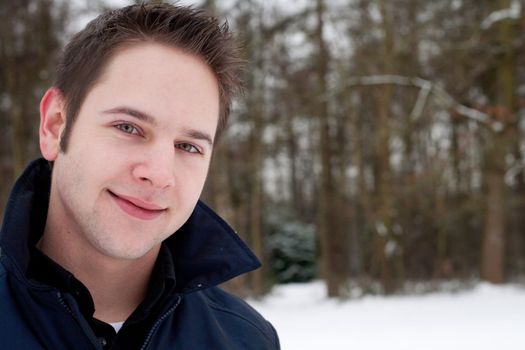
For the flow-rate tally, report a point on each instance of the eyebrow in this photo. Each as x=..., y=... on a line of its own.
x=132, y=113
x=145, y=117
x=198, y=135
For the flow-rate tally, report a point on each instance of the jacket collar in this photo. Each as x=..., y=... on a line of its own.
x=205, y=250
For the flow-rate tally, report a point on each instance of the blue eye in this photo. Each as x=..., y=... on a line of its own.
x=127, y=128
x=187, y=147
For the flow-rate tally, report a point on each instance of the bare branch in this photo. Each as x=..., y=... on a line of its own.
x=428, y=87
x=513, y=12
x=422, y=98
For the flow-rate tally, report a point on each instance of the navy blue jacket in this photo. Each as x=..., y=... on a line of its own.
x=206, y=252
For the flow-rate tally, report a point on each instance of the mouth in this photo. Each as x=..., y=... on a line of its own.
x=136, y=207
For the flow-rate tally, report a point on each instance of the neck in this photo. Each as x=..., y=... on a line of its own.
x=117, y=286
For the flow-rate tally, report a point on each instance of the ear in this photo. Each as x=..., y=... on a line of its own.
x=52, y=123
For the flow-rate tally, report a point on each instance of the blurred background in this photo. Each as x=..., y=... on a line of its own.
x=379, y=145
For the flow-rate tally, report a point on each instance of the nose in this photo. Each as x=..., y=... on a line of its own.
x=156, y=168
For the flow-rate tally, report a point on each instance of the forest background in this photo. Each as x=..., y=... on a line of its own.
x=379, y=143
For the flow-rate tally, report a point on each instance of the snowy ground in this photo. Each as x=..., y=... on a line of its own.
x=487, y=317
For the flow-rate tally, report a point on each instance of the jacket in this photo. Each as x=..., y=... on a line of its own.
x=199, y=315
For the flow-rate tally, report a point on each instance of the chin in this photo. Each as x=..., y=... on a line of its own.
x=125, y=250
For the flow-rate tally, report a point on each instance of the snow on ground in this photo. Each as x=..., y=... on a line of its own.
x=486, y=317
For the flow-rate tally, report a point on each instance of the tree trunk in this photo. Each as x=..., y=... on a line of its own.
x=388, y=247
x=494, y=236
x=333, y=259
x=493, y=251
x=256, y=199
x=15, y=111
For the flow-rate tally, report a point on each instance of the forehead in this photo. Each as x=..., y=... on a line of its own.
x=163, y=81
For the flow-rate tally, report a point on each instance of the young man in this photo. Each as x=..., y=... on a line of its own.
x=105, y=244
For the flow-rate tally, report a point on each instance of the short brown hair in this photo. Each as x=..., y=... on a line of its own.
x=192, y=30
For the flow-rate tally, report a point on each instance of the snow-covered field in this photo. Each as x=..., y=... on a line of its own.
x=486, y=317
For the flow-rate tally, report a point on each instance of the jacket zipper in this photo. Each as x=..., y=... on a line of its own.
x=159, y=321
x=66, y=306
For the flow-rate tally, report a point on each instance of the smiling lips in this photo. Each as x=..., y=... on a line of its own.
x=136, y=207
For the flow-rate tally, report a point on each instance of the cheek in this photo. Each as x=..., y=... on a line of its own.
x=189, y=184
x=109, y=154
x=91, y=170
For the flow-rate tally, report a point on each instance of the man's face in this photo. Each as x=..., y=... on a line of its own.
x=139, y=152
